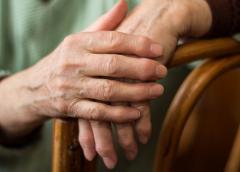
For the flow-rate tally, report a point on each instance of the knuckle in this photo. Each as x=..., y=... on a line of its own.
x=86, y=140
x=119, y=115
x=143, y=43
x=86, y=87
x=164, y=71
x=128, y=144
x=63, y=66
x=126, y=139
x=144, y=130
x=69, y=41
x=111, y=65
x=72, y=109
x=61, y=85
x=63, y=61
x=61, y=106
x=106, y=90
x=114, y=40
x=104, y=151
x=67, y=65
x=148, y=69
x=94, y=112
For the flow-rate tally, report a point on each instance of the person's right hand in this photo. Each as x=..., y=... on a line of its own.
x=71, y=81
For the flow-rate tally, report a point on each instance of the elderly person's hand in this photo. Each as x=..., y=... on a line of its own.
x=73, y=80
x=165, y=22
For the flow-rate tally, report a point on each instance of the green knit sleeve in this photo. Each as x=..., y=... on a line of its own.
x=5, y=37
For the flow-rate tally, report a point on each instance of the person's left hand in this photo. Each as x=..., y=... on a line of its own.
x=165, y=22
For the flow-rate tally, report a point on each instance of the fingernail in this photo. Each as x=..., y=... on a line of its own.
x=135, y=114
x=156, y=49
x=131, y=155
x=161, y=71
x=110, y=163
x=143, y=139
x=156, y=91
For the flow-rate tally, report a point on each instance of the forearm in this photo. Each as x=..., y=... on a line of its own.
x=200, y=18
x=211, y=17
x=183, y=17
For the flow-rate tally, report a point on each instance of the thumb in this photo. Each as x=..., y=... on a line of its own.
x=111, y=19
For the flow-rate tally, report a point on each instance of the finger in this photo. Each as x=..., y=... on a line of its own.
x=110, y=90
x=126, y=140
x=126, y=137
x=143, y=125
x=119, y=66
x=111, y=19
x=120, y=43
x=104, y=143
x=90, y=110
x=86, y=139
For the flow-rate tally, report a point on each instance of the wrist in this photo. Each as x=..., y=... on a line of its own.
x=199, y=17
x=16, y=118
x=183, y=17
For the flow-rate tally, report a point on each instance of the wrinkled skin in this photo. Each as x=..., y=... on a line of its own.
x=79, y=80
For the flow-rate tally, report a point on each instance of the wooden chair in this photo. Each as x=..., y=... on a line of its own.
x=233, y=164
x=182, y=106
x=222, y=55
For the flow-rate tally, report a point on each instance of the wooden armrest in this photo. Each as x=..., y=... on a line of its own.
x=202, y=49
x=182, y=105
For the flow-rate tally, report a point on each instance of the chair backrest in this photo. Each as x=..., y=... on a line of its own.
x=67, y=155
x=233, y=164
x=183, y=104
